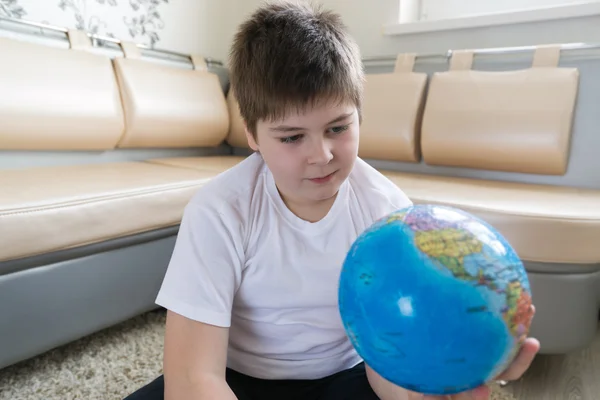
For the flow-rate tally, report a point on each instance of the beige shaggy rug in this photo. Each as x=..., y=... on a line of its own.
x=108, y=365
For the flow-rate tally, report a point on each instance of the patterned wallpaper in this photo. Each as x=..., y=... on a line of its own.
x=139, y=20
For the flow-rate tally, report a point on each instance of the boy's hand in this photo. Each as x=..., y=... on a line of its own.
x=513, y=372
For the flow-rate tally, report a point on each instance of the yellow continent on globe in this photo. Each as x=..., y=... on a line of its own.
x=449, y=246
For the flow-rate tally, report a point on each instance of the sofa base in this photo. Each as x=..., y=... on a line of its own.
x=567, y=306
x=54, y=304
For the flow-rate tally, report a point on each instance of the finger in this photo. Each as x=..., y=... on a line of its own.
x=481, y=393
x=522, y=362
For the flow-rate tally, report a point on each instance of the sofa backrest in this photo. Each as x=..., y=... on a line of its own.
x=75, y=99
x=523, y=117
x=517, y=121
x=237, y=135
x=170, y=107
x=52, y=98
x=392, y=112
x=393, y=105
x=514, y=123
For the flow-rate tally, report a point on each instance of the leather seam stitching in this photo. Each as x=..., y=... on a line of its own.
x=97, y=200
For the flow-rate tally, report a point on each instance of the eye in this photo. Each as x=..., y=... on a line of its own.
x=339, y=129
x=290, y=139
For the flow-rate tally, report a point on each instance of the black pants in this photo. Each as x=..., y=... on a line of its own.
x=351, y=384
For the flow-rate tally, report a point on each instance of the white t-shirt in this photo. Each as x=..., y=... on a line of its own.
x=243, y=260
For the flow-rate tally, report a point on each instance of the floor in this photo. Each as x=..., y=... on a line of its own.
x=107, y=365
x=572, y=377
x=115, y=362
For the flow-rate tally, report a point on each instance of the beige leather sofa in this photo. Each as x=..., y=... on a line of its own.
x=85, y=245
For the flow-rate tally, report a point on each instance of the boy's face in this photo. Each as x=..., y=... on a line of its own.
x=310, y=153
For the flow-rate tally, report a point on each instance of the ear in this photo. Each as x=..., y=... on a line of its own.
x=251, y=141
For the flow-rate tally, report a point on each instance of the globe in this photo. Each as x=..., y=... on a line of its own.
x=434, y=299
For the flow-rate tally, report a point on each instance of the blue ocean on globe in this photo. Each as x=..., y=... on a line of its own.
x=434, y=299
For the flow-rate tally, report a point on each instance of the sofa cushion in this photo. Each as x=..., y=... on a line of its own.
x=170, y=107
x=543, y=223
x=236, y=137
x=516, y=121
x=52, y=98
x=392, y=109
x=55, y=208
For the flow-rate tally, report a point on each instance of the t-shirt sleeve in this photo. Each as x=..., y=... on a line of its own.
x=205, y=268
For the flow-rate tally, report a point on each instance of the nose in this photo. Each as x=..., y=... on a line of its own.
x=320, y=152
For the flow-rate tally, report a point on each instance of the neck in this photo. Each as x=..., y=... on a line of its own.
x=311, y=212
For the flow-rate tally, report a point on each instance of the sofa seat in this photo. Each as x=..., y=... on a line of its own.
x=55, y=208
x=546, y=224
x=209, y=163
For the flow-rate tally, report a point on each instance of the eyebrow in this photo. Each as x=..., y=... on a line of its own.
x=287, y=128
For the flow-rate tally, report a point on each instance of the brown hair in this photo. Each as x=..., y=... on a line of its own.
x=291, y=54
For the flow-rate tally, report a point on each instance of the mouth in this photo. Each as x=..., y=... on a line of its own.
x=323, y=179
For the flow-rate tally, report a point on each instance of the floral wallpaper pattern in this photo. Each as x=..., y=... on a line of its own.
x=140, y=19
x=10, y=8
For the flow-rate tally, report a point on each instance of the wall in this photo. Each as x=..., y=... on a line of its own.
x=437, y=9
x=179, y=25
x=366, y=23
x=207, y=26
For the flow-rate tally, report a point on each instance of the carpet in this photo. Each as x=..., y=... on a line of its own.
x=107, y=365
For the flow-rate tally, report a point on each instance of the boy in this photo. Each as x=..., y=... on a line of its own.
x=252, y=284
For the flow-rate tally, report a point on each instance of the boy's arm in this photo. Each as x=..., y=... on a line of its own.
x=198, y=290
x=195, y=360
